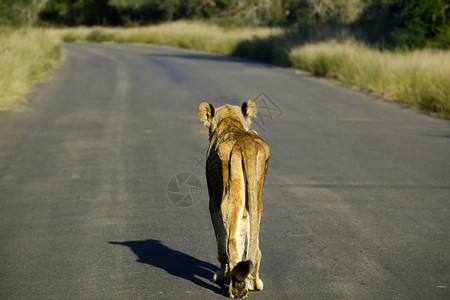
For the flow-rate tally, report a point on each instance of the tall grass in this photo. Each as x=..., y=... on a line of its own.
x=26, y=55
x=191, y=35
x=419, y=78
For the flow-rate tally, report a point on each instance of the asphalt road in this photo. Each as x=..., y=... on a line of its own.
x=103, y=193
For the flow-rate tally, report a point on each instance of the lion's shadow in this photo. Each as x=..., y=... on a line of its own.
x=154, y=253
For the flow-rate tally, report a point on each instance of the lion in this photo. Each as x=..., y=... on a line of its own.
x=236, y=167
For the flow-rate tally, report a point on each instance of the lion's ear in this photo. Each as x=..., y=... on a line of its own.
x=205, y=113
x=249, y=109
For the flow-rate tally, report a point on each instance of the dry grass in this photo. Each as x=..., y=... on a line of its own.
x=26, y=55
x=191, y=35
x=419, y=78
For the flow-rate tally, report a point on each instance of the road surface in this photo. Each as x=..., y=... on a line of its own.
x=103, y=193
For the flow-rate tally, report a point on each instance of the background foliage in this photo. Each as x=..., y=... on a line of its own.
x=387, y=23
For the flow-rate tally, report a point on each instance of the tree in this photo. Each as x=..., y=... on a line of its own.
x=17, y=12
x=424, y=22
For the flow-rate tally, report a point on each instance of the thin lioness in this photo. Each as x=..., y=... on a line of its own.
x=236, y=167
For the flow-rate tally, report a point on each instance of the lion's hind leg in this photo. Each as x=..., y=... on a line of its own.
x=222, y=276
x=254, y=282
x=240, y=269
x=255, y=185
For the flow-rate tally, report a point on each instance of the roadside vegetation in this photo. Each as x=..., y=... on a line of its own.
x=398, y=49
x=194, y=35
x=419, y=78
x=26, y=56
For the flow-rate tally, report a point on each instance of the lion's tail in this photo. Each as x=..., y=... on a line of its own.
x=238, y=276
x=243, y=268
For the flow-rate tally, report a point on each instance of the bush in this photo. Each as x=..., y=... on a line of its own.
x=98, y=36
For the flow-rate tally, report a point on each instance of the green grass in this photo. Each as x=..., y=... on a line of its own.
x=26, y=56
x=419, y=78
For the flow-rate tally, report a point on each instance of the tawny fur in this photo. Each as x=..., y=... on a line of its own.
x=236, y=167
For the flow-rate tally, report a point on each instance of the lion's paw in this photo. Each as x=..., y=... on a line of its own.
x=255, y=285
x=238, y=289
